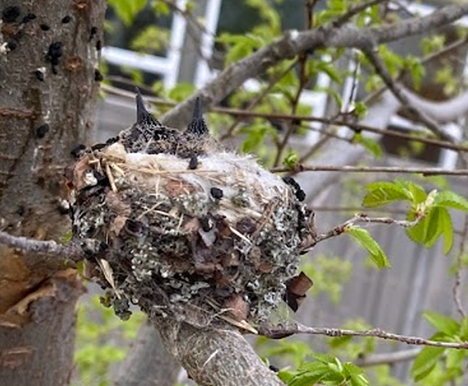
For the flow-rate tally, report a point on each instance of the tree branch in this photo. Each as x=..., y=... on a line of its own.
x=358, y=218
x=298, y=328
x=65, y=252
x=459, y=103
x=398, y=91
x=293, y=43
x=374, y=169
x=387, y=358
x=215, y=357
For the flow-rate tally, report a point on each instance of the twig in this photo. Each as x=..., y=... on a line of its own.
x=387, y=358
x=397, y=90
x=303, y=79
x=69, y=251
x=375, y=169
x=361, y=217
x=258, y=98
x=293, y=43
x=307, y=118
x=354, y=11
x=298, y=328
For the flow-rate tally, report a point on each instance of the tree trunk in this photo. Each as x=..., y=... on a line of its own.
x=214, y=357
x=148, y=363
x=48, y=87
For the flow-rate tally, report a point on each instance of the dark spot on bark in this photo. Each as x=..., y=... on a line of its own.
x=54, y=53
x=76, y=152
x=10, y=14
x=193, y=163
x=66, y=19
x=29, y=17
x=216, y=193
x=41, y=131
x=98, y=76
x=93, y=32
x=11, y=46
x=99, y=45
x=39, y=75
x=274, y=368
x=20, y=210
x=44, y=27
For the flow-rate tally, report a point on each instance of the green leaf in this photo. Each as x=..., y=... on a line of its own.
x=126, y=10
x=449, y=199
x=331, y=71
x=383, y=193
x=291, y=160
x=455, y=358
x=426, y=361
x=360, y=109
x=310, y=374
x=355, y=375
x=448, y=326
x=415, y=192
x=371, y=145
x=416, y=233
x=436, y=223
x=364, y=238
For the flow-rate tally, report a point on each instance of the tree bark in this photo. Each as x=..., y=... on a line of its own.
x=148, y=363
x=48, y=88
x=215, y=357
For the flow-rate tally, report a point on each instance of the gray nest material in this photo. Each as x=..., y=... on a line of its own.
x=186, y=230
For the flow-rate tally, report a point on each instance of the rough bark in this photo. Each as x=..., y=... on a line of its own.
x=48, y=90
x=148, y=363
x=215, y=357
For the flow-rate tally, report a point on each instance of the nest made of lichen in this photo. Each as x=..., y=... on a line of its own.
x=218, y=241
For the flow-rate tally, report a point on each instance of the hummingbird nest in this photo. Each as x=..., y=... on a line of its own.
x=177, y=225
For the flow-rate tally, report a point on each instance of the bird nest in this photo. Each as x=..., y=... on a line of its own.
x=186, y=230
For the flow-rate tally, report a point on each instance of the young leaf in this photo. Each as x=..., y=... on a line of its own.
x=449, y=199
x=426, y=361
x=448, y=326
x=414, y=192
x=355, y=375
x=383, y=193
x=371, y=145
x=363, y=237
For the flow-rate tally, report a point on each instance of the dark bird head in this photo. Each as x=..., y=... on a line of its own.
x=198, y=125
x=143, y=115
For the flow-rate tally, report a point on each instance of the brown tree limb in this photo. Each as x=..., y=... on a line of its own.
x=387, y=358
x=148, y=363
x=398, y=91
x=374, y=169
x=306, y=118
x=293, y=43
x=361, y=217
x=65, y=252
x=215, y=357
x=298, y=328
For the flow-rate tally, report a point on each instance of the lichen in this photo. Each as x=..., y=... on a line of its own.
x=194, y=244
